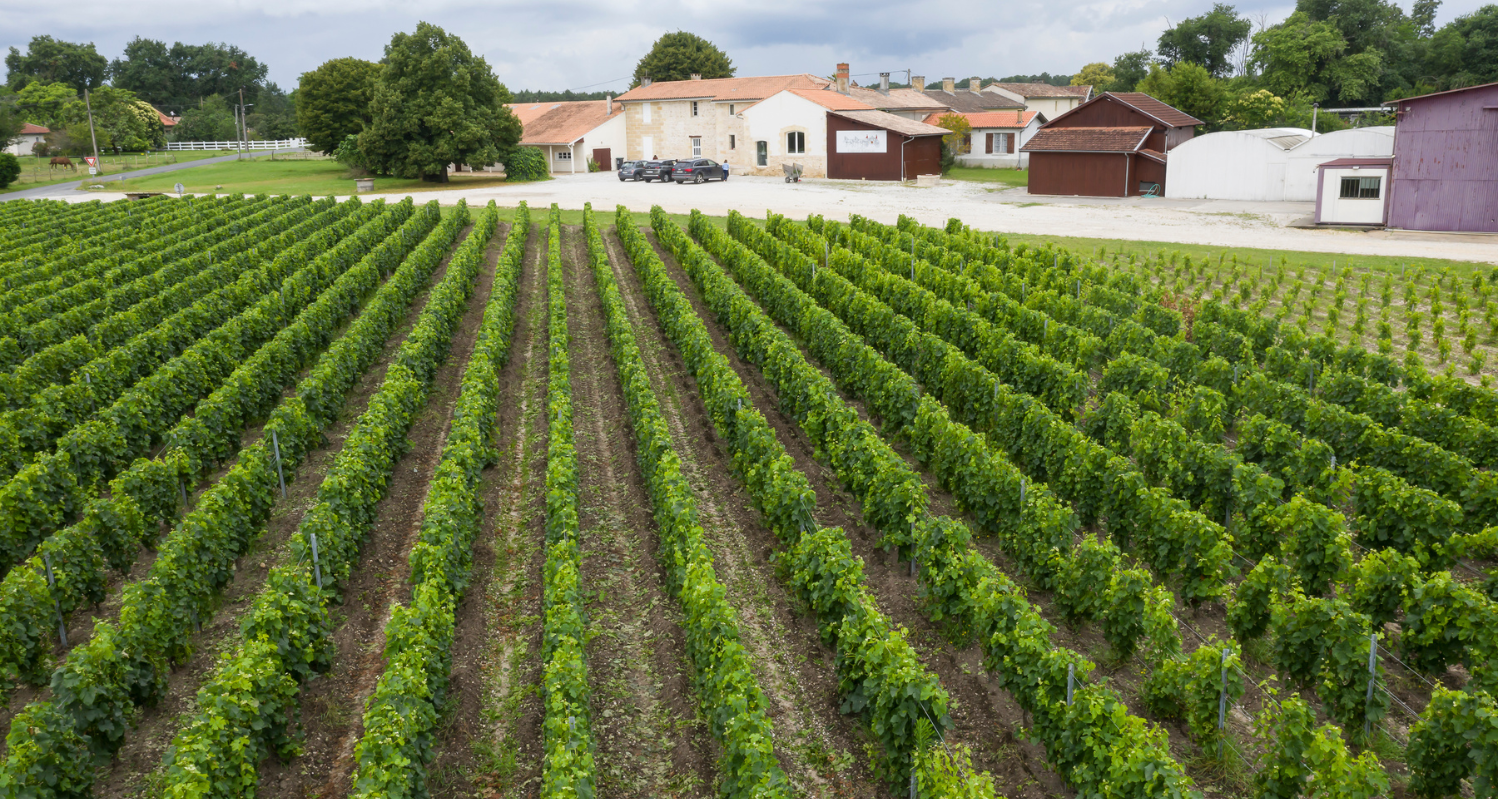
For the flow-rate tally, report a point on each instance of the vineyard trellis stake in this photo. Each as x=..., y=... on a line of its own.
x=62, y=628
x=275, y=442
x=1372, y=678
x=1071, y=681
x=1222, y=699
x=316, y=564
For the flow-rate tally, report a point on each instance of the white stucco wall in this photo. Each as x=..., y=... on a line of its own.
x=1333, y=209
x=1017, y=159
x=23, y=143
x=769, y=121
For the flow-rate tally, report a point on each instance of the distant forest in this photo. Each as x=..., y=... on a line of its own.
x=529, y=96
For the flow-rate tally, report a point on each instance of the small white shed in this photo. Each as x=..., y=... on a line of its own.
x=28, y=137
x=1269, y=164
x=1353, y=191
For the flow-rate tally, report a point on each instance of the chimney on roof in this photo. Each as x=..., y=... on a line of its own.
x=918, y=82
x=841, y=79
x=948, y=84
x=608, y=104
x=696, y=76
x=975, y=84
x=645, y=81
x=884, y=83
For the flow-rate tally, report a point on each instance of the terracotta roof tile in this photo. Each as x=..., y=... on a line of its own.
x=991, y=119
x=1091, y=140
x=561, y=123
x=1149, y=105
x=831, y=100
x=1153, y=154
x=721, y=89
x=28, y=129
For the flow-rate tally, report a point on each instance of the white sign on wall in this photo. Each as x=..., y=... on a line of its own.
x=860, y=141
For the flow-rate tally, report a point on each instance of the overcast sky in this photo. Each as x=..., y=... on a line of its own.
x=594, y=44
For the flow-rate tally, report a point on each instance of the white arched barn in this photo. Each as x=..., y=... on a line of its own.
x=1270, y=164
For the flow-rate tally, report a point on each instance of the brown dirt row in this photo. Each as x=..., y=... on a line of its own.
x=985, y=718
x=333, y=704
x=489, y=742
x=650, y=739
x=816, y=745
x=137, y=767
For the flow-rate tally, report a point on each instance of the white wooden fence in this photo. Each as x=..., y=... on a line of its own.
x=234, y=145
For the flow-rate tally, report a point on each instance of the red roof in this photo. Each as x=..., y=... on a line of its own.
x=1149, y=105
x=1154, y=155
x=29, y=129
x=990, y=119
x=563, y=122
x=166, y=121
x=721, y=89
x=831, y=100
x=1088, y=140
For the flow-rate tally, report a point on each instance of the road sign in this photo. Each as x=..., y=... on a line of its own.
x=180, y=188
x=91, y=161
x=93, y=170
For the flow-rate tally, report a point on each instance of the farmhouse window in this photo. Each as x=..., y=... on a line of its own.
x=732, y=144
x=563, y=155
x=762, y=152
x=730, y=109
x=696, y=147
x=1360, y=188
x=694, y=108
x=795, y=142
x=647, y=113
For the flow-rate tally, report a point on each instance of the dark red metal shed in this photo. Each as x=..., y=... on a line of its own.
x=1114, y=145
x=906, y=149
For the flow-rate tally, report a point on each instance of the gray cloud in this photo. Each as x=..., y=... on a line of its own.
x=578, y=43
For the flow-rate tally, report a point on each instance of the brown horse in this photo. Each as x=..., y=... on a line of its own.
x=63, y=161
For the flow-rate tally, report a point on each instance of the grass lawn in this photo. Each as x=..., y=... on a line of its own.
x=39, y=172
x=1005, y=177
x=315, y=177
x=1298, y=258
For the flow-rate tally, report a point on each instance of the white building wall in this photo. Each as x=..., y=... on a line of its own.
x=610, y=134
x=769, y=121
x=1334, y=210
x=1237, y=165
x=23, y=143
x=1015, y=160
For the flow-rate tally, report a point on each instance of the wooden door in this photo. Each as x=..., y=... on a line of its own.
x=604, y=159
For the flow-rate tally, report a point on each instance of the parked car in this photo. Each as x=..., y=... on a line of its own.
x=630, y=170
x=698, y=170
x=659, y=169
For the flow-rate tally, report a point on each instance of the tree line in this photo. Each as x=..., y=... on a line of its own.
x=195, y=85
x=1234, y=72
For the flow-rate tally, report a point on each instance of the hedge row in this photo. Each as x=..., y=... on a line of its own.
x=730, y=695
x=567, y=766
x=401, y=715
x=55, y=744
x=246, y=707
x=958, y=583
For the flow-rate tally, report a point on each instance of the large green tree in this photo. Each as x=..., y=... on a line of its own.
x=333, y=101
x=1097, y=75
x=1294, y=56
x=435, y=104
x=1188, y=87
x=212, y=120
x=1207, y=40
x=185, y=74
x=52, y=60
x=1465, y=52
x=51, y=105
x=679, y=56
x=1130, y=68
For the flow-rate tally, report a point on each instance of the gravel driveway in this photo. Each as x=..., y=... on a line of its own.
x=1217, y=223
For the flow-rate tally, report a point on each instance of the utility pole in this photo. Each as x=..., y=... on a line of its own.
x=239, y=129
x=91, y=135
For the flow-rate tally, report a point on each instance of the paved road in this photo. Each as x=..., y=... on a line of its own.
x=67, y=189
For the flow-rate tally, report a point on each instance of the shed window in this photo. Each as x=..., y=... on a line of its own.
x=795, y=142
x=1360, y=188
x=694, y=108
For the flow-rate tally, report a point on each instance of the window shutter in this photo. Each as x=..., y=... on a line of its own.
x=988, y=143
x=1009, y=137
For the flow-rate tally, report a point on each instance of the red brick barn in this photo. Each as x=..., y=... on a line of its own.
x=1113, y=145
